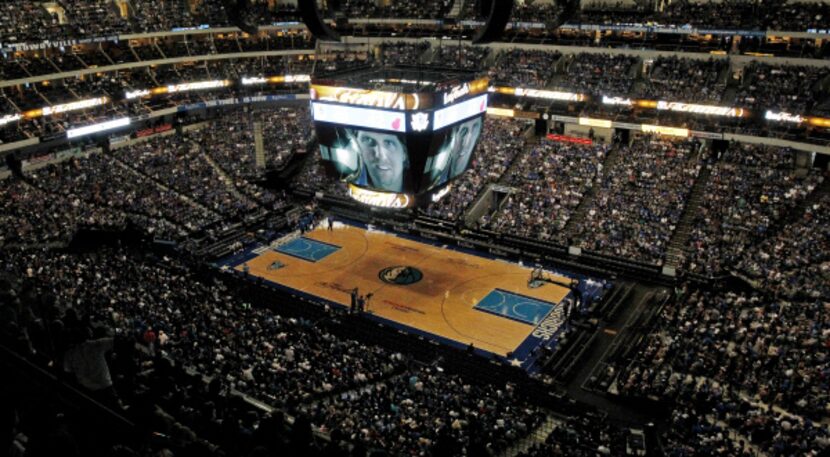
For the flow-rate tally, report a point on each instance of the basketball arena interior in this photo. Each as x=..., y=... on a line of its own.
x=519, y=228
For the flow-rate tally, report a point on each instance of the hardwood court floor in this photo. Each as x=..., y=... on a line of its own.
x=441, y=303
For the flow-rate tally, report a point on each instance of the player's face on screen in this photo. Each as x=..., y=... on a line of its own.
x=467, y=135
x=384, y=157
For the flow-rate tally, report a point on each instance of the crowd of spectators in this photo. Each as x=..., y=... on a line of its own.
x=605, y=74
x=666, y=78
x=104, y=18
x=795, y=261
x=749, y=190
x=181, y=166
x=585, y=435
x=738, y=363
x=686, y=80
x=639, y=201
x=426, y=408
x=366, y=397
x=428, y=9
x=550, y=181
x=466, y=57
x=522, y=11
x=738, y=14
x=524, y=68
x=101, y=182
x=341, y=60
x=314, y=177
x=58, y=60
x=148, y=15
x=794, y=89
x=114, y=86
x=402, y=52
x=31, y=216
x=97, y=18
x=733, y=15
x=25, y=21
x=91, y=18
x=229, y=140
x=501, y=141
x=740, y=371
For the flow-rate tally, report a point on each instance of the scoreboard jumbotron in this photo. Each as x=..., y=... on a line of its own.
x=398, y=135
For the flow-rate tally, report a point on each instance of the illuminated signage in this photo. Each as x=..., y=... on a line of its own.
x=420, y=122
x=255, y=80
x=456, y=92
x=569, y=139
x=95, y=128
x=700, y=109
x=460, y=111
x=796, y=119
x=250, y=81
x=819, y=121
x=136, y=94
x=595, y=122
x=536, y=93
x=364, y=97
x=153, y=130
x=468, y=88
x=297, y=78
x=548, y=94
x=201, y=85
x=661, y=130
x=783, y=117
x=81, y=104
x=381, y=199
x=440, y=194
x=606, y=100
x=9, y=118
x=359, y=117
x=675, y=106
x=501, y=112
x=402, y=81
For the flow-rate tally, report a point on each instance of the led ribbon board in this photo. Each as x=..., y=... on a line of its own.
x=175, y=88
x=359, y=117
x=679, y=107
x=460, y=111
x=538, y=93
x=65, y=107
x=401, y=101
x=96, y=128
x=380, y=199
x=256, y=80
x=364, y=97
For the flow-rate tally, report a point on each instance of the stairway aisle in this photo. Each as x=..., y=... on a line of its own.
x=578, y=216
x=120, y=163
x=677, y=247
x=456, y=8
x=226, y=179
x=796, y=213
x=537, y=436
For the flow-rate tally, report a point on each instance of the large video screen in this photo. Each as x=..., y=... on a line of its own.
x=454, y=154
x=386, y=154
x=368, y=158
x=395, y=162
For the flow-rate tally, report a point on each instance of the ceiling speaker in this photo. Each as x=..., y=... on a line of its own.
x=497, y=19
x=314, y=21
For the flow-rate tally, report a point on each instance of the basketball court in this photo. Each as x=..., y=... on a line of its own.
x=452, y=296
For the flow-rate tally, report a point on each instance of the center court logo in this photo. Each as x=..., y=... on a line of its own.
x=400, y=275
